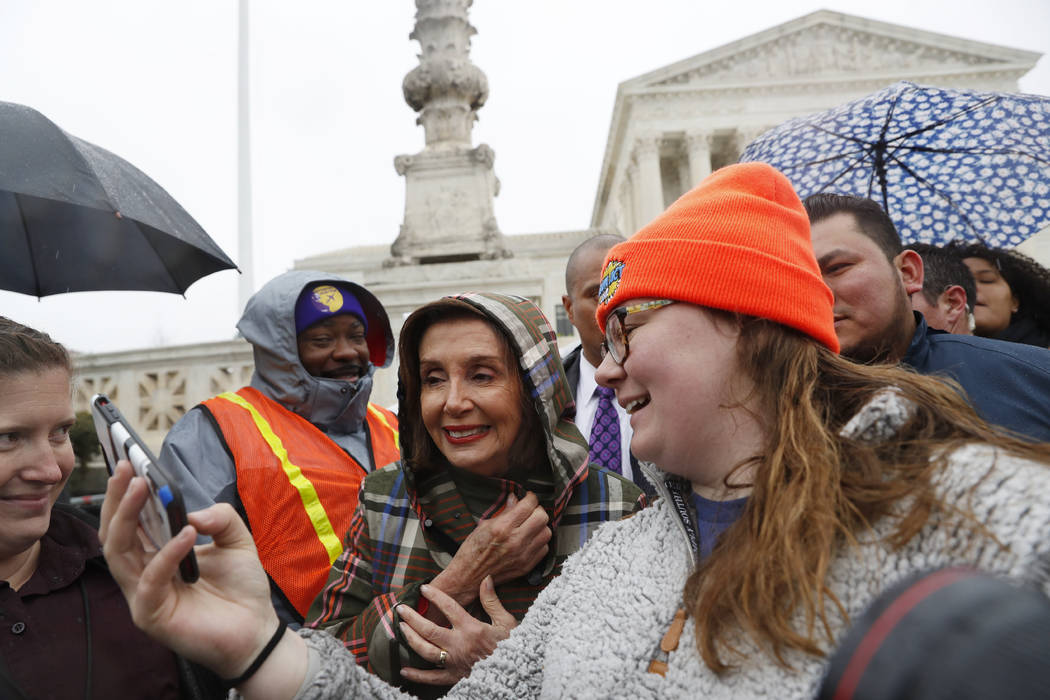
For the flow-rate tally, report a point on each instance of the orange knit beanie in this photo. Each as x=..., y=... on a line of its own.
x=739, y=241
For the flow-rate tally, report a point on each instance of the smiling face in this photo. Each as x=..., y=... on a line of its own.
x=36, y=456
x=682, y=385
x=335, y=348
x=996, y=302
x=471, y=395
x=873, y=318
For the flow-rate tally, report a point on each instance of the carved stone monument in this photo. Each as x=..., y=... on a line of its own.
x=450, y=184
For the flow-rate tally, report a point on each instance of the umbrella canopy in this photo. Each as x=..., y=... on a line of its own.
x=944, y=164
x=74, y=217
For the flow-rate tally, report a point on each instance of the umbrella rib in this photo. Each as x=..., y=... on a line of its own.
x=785, y=168
x=975, y=152
x=939, y=193
x=163, y=262
x=138, y=224
x=29, y=244
x=838, y=135
x=945, y=120
x=849, y=167
x=830, y=159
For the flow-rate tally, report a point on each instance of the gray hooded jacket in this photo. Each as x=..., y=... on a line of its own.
x=195, y=453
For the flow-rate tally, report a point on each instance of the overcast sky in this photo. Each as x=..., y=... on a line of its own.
x=155, y=82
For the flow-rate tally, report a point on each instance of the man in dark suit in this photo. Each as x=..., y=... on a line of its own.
x=598, y=416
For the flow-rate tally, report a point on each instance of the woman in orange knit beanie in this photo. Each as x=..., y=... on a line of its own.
x=794, y=487
x=781, y=457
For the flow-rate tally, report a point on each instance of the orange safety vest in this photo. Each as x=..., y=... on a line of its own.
x=298, y=487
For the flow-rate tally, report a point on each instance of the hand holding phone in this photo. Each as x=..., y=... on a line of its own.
x=164, y=514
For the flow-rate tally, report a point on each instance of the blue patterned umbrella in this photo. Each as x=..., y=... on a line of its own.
x=945, y=164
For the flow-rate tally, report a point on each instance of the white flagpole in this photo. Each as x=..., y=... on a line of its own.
x=244, y=160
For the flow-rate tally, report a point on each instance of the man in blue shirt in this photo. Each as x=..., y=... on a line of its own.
x=872, y=277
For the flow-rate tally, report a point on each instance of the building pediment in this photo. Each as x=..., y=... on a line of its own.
x=827, y=44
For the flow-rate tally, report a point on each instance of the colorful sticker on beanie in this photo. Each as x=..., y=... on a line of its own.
x=326, y=299
x=610, y=281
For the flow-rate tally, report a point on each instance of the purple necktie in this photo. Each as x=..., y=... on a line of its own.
x=605, y=433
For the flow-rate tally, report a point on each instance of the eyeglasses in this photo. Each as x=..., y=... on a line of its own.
x=615, y=342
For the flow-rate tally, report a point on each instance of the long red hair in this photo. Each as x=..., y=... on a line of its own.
x=814, y=491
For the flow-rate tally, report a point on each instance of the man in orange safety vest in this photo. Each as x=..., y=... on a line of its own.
x=289, y=450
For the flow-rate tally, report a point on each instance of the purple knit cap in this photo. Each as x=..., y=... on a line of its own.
x=323, y=300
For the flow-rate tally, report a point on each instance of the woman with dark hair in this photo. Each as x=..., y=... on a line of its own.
x=794, y=487
x=492, y=493
x=67, y=630
x=1013, y=294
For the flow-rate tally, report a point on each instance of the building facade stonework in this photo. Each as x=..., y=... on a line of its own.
x=670, y=128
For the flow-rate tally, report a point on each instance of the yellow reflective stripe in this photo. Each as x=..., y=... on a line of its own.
x=314, y=509
x=382, y=417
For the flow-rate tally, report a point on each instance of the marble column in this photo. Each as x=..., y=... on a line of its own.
x=698, y=147
x=649, y=183
x=635, y=199
x=685, y=178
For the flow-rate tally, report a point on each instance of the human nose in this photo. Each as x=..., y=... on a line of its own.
x=457, y=401
x=42, y=463
x=345, y=349
x=609, y=373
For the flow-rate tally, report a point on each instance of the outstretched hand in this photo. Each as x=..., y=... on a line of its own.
x=224, y=619
x=467, y=642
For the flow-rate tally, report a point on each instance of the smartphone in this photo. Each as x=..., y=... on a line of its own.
x=164, y=514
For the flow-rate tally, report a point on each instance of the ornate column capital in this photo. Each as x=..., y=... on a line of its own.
x=697, y=139
x=647, y=146
x=698, y=144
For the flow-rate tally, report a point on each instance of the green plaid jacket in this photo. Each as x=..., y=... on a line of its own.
x=403, y=530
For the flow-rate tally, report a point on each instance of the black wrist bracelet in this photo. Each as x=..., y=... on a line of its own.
x=261, y=658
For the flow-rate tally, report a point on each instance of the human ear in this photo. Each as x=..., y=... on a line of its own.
x=909, y=266
x=566, y=301
x=953, y=299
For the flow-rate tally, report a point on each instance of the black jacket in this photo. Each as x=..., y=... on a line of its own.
x=1007, y=383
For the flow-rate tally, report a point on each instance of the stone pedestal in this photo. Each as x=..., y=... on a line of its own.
x=448, y=207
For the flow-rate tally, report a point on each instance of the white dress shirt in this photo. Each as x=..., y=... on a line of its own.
x=587, y=406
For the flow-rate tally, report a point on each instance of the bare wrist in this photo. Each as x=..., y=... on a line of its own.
x=282, y=674
x=463, y=592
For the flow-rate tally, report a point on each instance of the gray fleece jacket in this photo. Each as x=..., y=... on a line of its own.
x=593, y=631
x=195, y=453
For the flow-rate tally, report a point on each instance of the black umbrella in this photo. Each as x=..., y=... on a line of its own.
x=74, y=217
